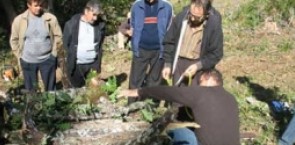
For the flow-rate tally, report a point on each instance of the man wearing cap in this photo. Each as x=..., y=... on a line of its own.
x=82, y=39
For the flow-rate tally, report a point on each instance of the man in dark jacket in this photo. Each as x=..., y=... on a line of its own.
x=194, y=41
x=83, y=37
x=214, y=109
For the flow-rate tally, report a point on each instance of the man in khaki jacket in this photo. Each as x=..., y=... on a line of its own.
x=35, y=38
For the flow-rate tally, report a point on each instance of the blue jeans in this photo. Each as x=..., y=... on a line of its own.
x=288, y=137
x=183, y=136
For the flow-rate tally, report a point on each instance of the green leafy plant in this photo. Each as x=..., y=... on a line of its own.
x=147, y=115
x=111, y=88
x=92, y=74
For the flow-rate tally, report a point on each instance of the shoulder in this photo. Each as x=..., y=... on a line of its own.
x=137, y=3
x=17, y=19
x=214, y=15
x=166, y=3
x=74, y=18
x=49, y=16
x=21, y=16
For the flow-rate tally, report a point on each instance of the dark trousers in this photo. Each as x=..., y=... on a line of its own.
x=47, y=70
x=181, y=66
x=78, y=77
x=145, y=70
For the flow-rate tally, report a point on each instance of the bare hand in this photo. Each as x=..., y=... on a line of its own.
x=166, y=73
x=191, y=70
x=128, y=93
x=129, y=32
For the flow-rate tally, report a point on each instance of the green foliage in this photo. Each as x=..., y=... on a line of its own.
x=92, y=74
x=147, y=115
x=49, y=110
x=282, y=9
x=255, y=11
x=149, y=112
x=286, y=45
x=251, y=14
x=15, y=121
x=111, y=88
x=178, y=5
x=63, y=126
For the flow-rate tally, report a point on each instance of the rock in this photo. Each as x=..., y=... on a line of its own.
x=101, y=132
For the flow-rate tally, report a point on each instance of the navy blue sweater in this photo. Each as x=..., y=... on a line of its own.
x=149, y=39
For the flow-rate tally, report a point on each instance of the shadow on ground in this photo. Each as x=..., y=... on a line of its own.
x=268, y=95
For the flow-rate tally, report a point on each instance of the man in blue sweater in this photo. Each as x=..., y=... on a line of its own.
x=150, y=20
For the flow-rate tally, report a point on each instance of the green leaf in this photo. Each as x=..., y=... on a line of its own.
x=64, y=126
x=147, y=115
x=110, y=86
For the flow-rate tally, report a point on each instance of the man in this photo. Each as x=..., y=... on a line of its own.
x=288, y=137
x=194, y=41
x=35, y=39
x=83, y=38
x=214, y=109
x=125, y=32
x=150, y=20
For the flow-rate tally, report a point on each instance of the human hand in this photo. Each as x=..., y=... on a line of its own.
x=191, y=70
x=129, y=32
x=128, y=93
x=166, y=73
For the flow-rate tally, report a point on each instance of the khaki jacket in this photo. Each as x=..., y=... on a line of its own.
x=19, y=27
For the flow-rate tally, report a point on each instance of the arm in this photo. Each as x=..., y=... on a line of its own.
x=67, y=36
x=170, y=16
x=170, y=42
x=215, y=47
x=57, y=36
x=100, y=51
x=14, y=38
x=183, y=95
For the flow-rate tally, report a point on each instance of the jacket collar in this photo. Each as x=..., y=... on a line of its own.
x=160, y=4
x=26, y=16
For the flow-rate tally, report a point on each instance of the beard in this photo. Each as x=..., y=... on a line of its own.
x=196, y=21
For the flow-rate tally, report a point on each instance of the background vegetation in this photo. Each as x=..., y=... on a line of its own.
x=258, y=64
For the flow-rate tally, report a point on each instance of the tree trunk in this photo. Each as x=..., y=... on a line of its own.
x=9, y=9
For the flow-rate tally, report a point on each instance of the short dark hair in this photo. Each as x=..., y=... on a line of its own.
x=38, y=1
x=214, y=73
x=93, y=5
x=206, y=4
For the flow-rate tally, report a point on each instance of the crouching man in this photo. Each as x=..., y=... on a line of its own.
x=214, y=108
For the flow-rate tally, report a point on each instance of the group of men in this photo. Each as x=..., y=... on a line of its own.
x=163, y=46
x=37, y=39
